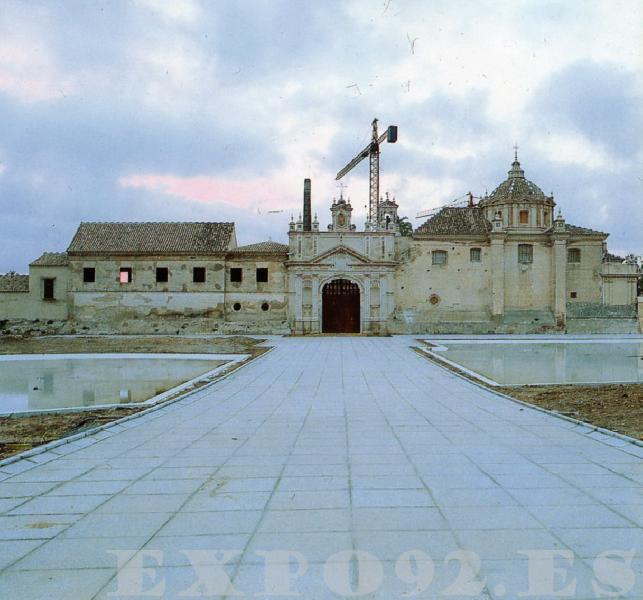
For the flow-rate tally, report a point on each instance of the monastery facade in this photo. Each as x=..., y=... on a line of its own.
x=508, y=264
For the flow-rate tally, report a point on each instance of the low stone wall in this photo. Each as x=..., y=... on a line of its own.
x=608, y=325
x=597, y=310
x=584, y=317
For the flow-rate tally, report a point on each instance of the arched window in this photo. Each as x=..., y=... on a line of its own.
x=573, y=255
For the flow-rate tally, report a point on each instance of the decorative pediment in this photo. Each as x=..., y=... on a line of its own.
x=340, y=257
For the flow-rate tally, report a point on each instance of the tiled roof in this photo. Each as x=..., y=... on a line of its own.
x=151, y=238
x=268, y=247
x=456, y=221
x=613, y=258
x=51, y=259
x=516, y=188
x=14, y=282
x=576, y=230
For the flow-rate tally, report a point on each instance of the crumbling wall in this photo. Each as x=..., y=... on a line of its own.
x=427, y=294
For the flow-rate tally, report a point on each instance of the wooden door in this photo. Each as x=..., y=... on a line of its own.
x=340, y=307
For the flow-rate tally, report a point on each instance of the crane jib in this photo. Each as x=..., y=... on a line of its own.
x=373, y=152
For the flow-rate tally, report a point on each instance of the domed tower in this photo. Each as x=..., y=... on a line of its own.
x=520, y=203
x=387, y=214
x=341, y=213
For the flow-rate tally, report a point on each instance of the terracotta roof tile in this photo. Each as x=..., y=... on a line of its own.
x=152, y=238
x=456, y=221
x=268, y=247
x=51, y=259
x=576, y=230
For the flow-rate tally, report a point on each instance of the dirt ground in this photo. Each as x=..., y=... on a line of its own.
x=151, y=343
x=22, y=433
x=617, y=407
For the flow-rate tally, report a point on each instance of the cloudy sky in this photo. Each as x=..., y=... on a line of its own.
x=147, y=110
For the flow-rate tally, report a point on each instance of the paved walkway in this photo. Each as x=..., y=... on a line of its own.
x=323, y=446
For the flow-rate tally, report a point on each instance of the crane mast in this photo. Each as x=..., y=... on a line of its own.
x=373, y=152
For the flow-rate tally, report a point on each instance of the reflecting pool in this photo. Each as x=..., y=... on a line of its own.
x=524, y=362
x=41, y=382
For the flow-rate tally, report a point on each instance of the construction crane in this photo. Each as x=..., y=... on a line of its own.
x=373, y=152
x=461, y=202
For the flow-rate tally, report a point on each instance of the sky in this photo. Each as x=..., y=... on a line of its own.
x=195, y=110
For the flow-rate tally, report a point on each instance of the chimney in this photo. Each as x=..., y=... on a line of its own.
x=307, y=216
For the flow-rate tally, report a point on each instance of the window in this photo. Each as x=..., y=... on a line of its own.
x=125, y=275
x=48, y=289
x=524, y=217
x=439, y=257
x=236, y=306
x=475, y=255
x=162, y=274
x=198, y=274
x=525, y=253
x=89, y=275
x=236, y=274
x=262, y=275
x=573, y=255
x=265, y=306
x=573, y=295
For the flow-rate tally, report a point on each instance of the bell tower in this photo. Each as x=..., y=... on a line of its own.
x=341, y=213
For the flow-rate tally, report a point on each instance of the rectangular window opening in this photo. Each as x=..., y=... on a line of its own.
x=573, y=255
x=262, y=275
x=475, y=254
x=439, y=257
x=162, y=274
x=524, y=217
x=573, y=295
x=198, y=275
x=89, y=275
x=125, y=275
x=48, y=289
x=525, y=253
x=236, y=274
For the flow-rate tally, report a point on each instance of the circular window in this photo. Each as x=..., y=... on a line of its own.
x=434, y=299
x=236, y=306
x=265, y=306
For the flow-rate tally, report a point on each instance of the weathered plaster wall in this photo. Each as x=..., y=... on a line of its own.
x=461, y=287
x=584, y=278
x=109, y=304
x=15, y=305
x=528, y=286
x=31, y=305
x=619, y=283
x=245, y=301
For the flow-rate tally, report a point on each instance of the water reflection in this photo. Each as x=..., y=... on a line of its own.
x=70, y=382
x=516, y=363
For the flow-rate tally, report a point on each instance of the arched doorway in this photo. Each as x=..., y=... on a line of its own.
x=340, y=307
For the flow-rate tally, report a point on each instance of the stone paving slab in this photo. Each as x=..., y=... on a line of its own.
x=331, y=467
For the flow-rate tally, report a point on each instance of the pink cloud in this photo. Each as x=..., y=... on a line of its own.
x=28, y=71
x=209, y=189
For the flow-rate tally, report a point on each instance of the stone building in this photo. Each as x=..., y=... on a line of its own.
x=508, y=264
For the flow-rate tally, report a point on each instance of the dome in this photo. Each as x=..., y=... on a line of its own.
x=516, y=188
